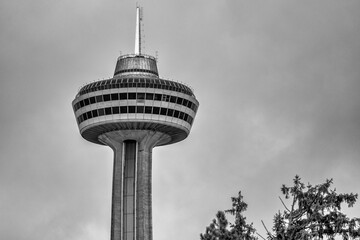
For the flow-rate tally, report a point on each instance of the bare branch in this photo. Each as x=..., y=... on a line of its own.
x=284, y=204
x=270, y=235
x=260, y=236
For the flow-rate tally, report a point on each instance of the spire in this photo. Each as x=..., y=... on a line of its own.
x=138, y=32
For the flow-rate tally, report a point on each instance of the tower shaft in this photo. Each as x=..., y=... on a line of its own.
x=131, y=215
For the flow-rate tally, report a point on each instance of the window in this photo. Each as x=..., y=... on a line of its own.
x=131, y=95
x=123, y=96
x=170, y=112
x=92, y=100
x=101, y=112
x=185, y=102
x=181, y=115
x=129, y=190
x=189, y=104
x=176, y=113
x=131, y=109
x=140, y=109
x=114, y=96
x=190, y=120
x=173, y=99
x=123, y=109
x=115, y=110
x=81, y=103
x=99, y=98
x=157, y=97
x=108, y=111
x=163, y=111
x=156, y=110
x=149, y=96
x=141, y=96
x=106, y=97
x=148, y=109
x=179, y=100
x=94, y=113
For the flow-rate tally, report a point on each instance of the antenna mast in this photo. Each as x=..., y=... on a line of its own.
x=138, y=31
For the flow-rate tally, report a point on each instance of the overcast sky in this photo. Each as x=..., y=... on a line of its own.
x=278, y=84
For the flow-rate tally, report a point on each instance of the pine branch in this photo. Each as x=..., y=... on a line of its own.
x=284, y=204
x=270, y=235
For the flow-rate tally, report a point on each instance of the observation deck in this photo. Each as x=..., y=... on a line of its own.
x=135, y=99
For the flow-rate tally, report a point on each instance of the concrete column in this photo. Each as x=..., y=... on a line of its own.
x=146, y=140
x=117, y=187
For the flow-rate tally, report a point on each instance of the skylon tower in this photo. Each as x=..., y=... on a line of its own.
x=133, y=112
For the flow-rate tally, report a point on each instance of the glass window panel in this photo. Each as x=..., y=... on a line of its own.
x=140, y=109
x=156, y=110
x=89, y=114
x=108, y=111
x=123, y=109
x=140, y=95
x=131, y=109
x=185, y=117
x=148, y=109
x=99, y=98
x=129, y=186
x=101, y=112
x=114, y=96
x=179, y=100
x=190, y=119
x=92, y=100
x=131, y=95
x=185, y=102
x=163, y=111
x=189, y=104
x=149, y=96
x=173, y=99
x=115, y=110
x=85, y=116
x=176, y=113
x=81, y=103
x=106, y=97
x=170, y=112
x=181, y=115
x=129, y=168
x=123, y=96
x=157, y=97
x=94, y=113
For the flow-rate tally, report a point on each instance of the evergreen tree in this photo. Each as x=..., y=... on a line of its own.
x=221, y=229
x=314, y=213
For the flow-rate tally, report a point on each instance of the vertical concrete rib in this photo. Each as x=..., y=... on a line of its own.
x=117, y=188
x=143, y=204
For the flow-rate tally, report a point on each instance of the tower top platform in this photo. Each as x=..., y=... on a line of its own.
x=136, y=64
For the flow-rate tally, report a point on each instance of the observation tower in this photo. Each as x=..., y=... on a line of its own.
x=133, y=112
